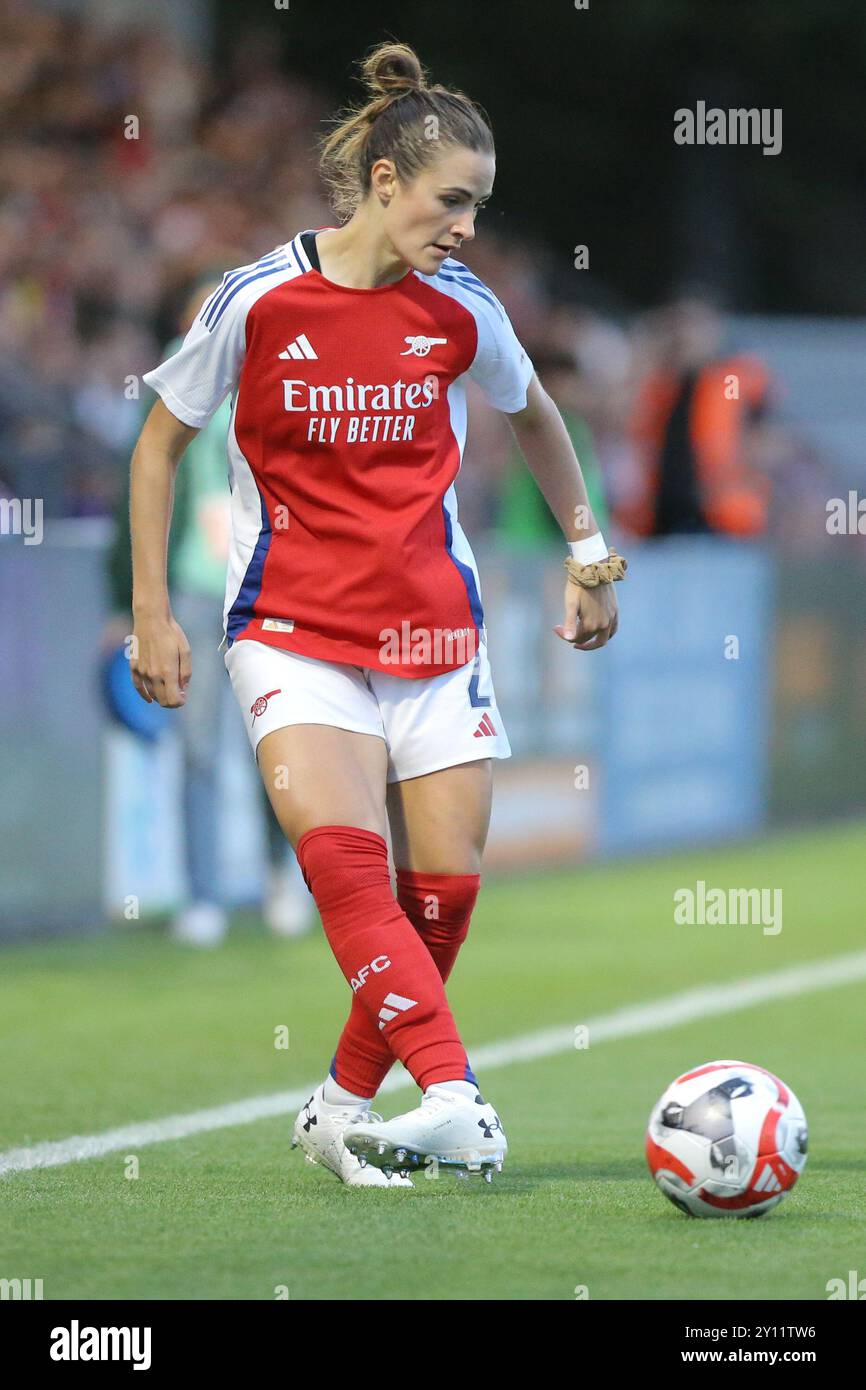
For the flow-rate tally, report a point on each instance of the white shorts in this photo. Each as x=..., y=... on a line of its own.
x=427, y=724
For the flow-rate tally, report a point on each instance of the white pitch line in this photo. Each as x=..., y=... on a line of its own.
x=629, y=1022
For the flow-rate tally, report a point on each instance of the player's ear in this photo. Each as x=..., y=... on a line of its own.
x=383, y=179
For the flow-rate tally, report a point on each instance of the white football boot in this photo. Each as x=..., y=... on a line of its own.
x=318, y=1130
x=447, y=1130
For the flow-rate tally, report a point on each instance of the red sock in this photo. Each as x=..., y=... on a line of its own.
x=388, y=966
x=439, y=906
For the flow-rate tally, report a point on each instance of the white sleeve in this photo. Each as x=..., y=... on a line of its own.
x=196, y=380
x=501, y=366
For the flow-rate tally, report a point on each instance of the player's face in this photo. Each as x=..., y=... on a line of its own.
x=431, y=217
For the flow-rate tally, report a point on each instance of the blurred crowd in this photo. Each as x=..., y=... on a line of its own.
x=131, y=169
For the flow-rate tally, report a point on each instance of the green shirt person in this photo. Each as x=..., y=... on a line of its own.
x=523, y=518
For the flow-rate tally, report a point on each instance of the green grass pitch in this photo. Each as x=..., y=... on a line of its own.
x=124, y=1028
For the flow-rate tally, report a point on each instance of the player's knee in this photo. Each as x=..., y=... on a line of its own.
x=440, y=906
x=341, y=862
x=298, y=814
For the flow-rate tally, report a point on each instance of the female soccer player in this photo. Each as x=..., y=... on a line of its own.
x=354, y=630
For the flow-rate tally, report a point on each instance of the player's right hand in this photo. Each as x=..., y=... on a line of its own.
x=160, y=662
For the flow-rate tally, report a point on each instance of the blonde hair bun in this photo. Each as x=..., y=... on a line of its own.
x=391, y=70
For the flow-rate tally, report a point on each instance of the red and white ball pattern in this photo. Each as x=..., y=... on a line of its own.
x=727, y=1139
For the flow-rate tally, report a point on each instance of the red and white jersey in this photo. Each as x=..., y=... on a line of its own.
x=347, y=432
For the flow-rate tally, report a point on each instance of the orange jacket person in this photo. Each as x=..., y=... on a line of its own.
x=691, y=427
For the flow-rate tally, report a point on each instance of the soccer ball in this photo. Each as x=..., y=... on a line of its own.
x=726, y=1139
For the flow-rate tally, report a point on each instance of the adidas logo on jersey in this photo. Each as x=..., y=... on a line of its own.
x=486, y=728
x=300, y=347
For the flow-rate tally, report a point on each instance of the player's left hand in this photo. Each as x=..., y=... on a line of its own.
x=591, y=616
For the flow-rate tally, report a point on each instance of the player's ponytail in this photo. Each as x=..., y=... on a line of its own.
x=404, y=119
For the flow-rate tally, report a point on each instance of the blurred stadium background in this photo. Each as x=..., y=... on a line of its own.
x=142, y=151
x=145, y=148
